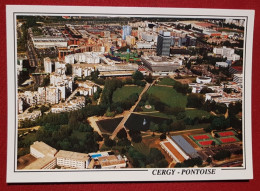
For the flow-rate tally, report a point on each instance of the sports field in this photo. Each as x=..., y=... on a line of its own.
x=230, y=139
x=204, y=140
x=226, y=133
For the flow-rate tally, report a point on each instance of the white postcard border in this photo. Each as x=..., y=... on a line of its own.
x=125, y=175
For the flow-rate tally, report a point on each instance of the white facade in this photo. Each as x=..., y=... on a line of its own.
x=130, y=40
x=203, y=80
x=72, y=159
x=48, y=42
x=221, y=64
x=47, y=65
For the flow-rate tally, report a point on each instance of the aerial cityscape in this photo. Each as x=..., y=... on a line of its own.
x=129, y=92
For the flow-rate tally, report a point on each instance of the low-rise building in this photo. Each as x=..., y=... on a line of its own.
x=161, y=65
x=69, y=159
x=44, y=154
x=72, y=105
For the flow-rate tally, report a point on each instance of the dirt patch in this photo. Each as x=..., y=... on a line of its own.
x=25, y=160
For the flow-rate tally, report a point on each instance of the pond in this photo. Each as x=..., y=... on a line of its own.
x=107, y=126
x=142, y=122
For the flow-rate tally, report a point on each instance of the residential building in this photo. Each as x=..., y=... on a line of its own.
x=47, y=65
x=69, y=159
x=130, y=40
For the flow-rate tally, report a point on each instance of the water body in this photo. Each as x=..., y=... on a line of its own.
x=142, y=122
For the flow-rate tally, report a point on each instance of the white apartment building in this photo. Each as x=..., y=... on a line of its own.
x=47, y=65
x=82, y=70
x=228, y=53
x=70, y=159
x=57, y=79
x=72, y=105
x=69, y=59
x=130, y=40
x=60, y=67
x=87, y=88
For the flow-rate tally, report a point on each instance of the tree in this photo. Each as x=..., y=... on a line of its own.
x=137, y=75
x=46, y=81
x=209, y=160
x=97, y=137
x=163, y=136
x=221, y=155
x=195, y=100
x=122, y=134
x=149, y=78
x=109, y=142
x=136, y=136
x=220, y=123
x=178, y=126
x=153, y=127
x=68, y=69
x=43, y=109
x=221, y=108
x=234, y=108
x=206, y=90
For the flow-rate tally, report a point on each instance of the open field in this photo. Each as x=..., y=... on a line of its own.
x=192, y=113
x=169, y=96
x=123, y=93
x=166, y=81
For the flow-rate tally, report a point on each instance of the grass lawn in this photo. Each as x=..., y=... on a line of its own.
x=169, y=96
x=192, y=113
x=142, y=148
x=166, y=81
x=123, y=93
x=159, y=114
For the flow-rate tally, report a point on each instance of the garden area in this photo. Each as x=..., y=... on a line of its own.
x=121, y=94
x=169, y=96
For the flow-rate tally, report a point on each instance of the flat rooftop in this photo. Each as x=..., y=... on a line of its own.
x=110, y=160
x=43, y=148
x=72, y=155
x=185, y=146
x=40, y=163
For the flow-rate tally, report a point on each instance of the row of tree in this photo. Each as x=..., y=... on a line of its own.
x=155, y=159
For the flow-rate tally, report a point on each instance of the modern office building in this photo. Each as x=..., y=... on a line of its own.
x=126, y=31
x=161, y=65
x=163, y=43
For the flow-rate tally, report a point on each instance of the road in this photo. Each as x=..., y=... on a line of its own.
x=121, y=125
